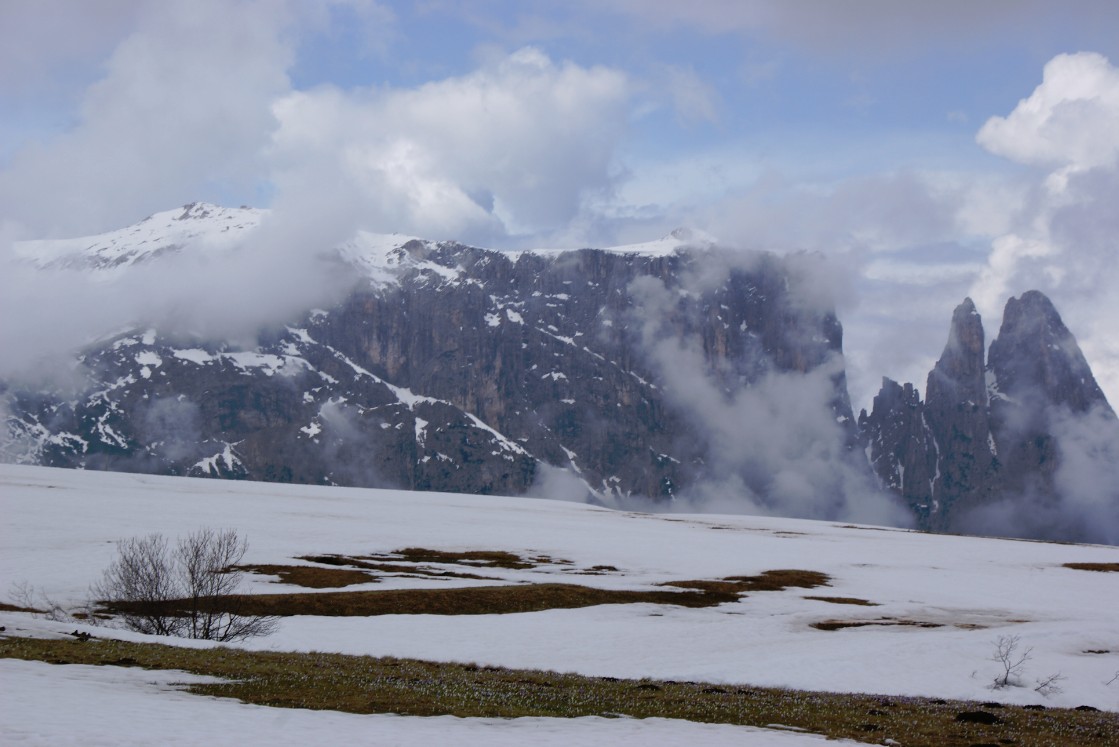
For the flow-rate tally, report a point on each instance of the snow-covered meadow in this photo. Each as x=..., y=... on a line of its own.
x=60, y=528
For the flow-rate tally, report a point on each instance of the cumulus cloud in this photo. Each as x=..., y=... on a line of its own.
x=1062, y=241
x=1069, y=121
x=198, y=97
x=514, y=147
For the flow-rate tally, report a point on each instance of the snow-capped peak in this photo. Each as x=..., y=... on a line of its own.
x=196, y=223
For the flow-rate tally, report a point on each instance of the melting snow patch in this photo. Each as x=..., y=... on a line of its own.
x=212, y=465
x=194, y=355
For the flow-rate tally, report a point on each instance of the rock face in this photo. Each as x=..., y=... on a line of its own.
x=460, y=369
x=1038, y=377
x=995, y=443
x=667, y=371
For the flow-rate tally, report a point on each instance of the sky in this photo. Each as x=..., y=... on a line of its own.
x=927, y=152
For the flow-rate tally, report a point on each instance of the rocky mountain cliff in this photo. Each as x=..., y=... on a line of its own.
x=1002, y=441
x=666, y=372
x=454, y=368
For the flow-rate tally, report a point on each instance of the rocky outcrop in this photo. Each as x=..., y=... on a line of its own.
x=958, y=418
x=995, y=434
x=902, y=450
x=1037, y=374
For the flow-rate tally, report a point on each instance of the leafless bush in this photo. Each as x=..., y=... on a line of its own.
x=1008, y=657
x=30, y=599
x=161, y=590
x=1048, y=685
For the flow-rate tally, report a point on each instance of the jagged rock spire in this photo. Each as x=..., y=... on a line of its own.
x=1036, y=357
x=997, y=439
x=958, y=418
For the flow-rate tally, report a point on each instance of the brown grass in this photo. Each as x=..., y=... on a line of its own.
x=777, y=580
x=845, y=600
x=369, y=685
x=474, y=600
x=886, y=621
x=476, y=558
x=394, y=568
x=5, y=607
x=1104, y=567
x=311, y=577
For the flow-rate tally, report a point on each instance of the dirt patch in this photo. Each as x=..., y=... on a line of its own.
x=845, y=600
x=1102, y=567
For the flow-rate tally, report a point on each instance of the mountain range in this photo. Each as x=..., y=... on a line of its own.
x=675, y=373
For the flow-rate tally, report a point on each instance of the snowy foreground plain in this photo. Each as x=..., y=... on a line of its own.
x=60, y=526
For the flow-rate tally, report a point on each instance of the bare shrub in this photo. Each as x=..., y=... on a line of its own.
x=163, y=590
x=27, y=598
x=1008, y=657
x=1049, y=685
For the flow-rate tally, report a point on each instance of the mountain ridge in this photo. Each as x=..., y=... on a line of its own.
x=670, y=371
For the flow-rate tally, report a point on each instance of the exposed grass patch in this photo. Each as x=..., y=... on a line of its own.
x=370, y=685
x=473, y=600
x=777, y=580
x=393, y=568
x=311, y=577
x=476, y=558
x=845, y=600
x=1103, y=567
x=885, y=621
x=595, y=570
x=5, y=607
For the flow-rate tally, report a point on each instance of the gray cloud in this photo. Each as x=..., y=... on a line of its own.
x=774, y=444
x=513, y=146
x=868, y=28
x=1084, y=503
x=184, y=105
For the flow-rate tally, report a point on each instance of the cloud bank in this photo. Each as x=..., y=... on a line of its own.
x=1062, y=240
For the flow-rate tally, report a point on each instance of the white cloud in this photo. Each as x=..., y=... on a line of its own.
x=1069, y=121
x=1062, y=241
x=694, y=100
x=513, y=147
x=46, y=38
x=184, y=104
